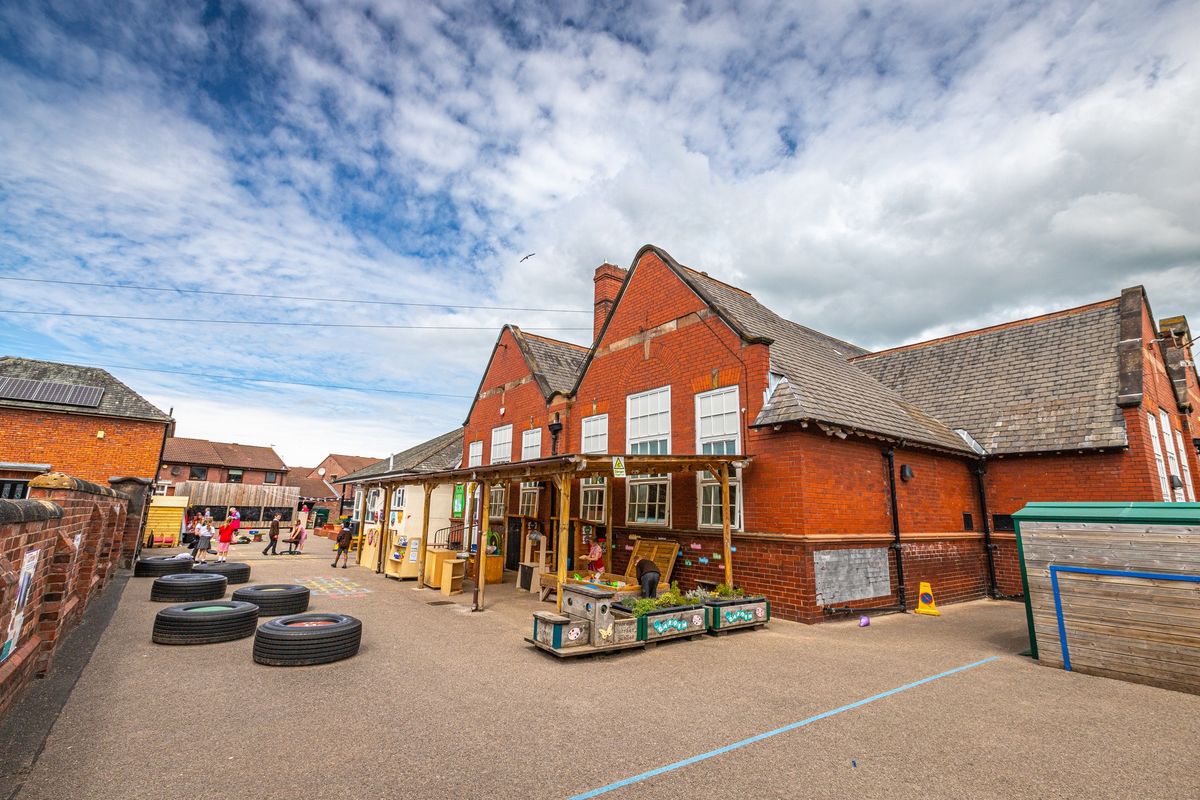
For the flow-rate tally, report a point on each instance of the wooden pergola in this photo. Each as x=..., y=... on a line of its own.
x=561, y=471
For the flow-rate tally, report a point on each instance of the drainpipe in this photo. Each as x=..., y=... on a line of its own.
x=988, y=546
x=889, y=456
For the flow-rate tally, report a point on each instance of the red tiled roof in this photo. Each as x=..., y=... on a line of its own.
x=181, y=450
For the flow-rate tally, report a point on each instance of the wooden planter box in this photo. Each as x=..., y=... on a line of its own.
x=739, y=612
x=676, y=622
x=559, y=630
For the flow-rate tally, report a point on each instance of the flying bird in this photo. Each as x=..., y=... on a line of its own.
x=526, y=258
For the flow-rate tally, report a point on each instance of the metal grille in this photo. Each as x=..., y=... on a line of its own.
x=67, y=394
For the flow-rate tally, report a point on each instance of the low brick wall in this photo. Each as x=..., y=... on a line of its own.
x=58, y=550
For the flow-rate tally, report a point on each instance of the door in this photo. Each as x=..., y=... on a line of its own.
x=512, y=548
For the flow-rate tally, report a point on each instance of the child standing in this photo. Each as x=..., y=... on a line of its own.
x=224, y=539
x=343, y=546
x=203, y=541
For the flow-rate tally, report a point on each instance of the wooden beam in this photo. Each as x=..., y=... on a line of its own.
x=383, y=527
x=564, y=528
x=429, y=489
x=608, y=523
x=726, y=539
x=481, y=550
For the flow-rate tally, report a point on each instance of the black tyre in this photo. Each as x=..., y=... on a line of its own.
x=235, y=572
x=205, y=622
x=156, y=566
x=275, y=599
x=304, y=639
x=188, y=586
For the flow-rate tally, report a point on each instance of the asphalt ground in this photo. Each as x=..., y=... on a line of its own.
x=445, y=703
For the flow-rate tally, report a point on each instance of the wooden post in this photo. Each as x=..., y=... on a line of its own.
x=468, y=519
x=429, y=488
x=481, y=549
x=362, y=524
x=726, y=539
x=383, y=527
x=564, y=528
x=608, y=524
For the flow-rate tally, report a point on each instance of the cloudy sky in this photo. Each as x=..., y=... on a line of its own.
x=884, y=173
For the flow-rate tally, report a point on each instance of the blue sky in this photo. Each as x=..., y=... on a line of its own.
x=884, y=173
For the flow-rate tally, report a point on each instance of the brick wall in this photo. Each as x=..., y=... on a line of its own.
x=79, y=531
x=69, y=443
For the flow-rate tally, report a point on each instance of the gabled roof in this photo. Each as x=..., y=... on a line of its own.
x=819, y=383
x=351, y=463
x=1048, y=383
x=555, y=365
x=118, y=400
x=313, y=488
x=180, y=450
x=440, y=453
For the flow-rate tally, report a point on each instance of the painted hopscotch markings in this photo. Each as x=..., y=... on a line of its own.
x=785, y=729
x=333, y=587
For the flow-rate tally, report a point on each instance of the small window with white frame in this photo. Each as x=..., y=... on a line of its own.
x=497, y=500
x=356, y=513
x=649, y=500
x=648, y=422
x=593, y=493
x=501, y=445
x=718, y=432
x=475, y=454
x=595, y=434
x=529, y=499
x=1158, y=456
x=1186, y=468
x=1172, y=461
x=531, y=444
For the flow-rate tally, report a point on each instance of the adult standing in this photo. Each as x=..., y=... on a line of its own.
x=272, y=538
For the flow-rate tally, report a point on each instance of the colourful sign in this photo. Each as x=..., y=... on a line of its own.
x=24, y=589
x=618, y=467
x=925, y=602
x=665, y=625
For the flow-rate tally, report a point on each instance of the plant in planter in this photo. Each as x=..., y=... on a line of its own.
x=730, y=608
x=672, y=614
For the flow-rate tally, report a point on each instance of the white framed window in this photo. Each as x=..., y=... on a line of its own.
x=501, y=445
x=649, y=500
x=1187, y=470
x=374, y=504
x=718, y=432
x=160, y=488
x=356, y=514
x=531, y=444
x=497, y=500
x=595, y=434
x=648, y=422
x=1172, y=461
x=529, y=499
x=475, y=454
x=592, y=496
x=398, y=498
x=1158, y=456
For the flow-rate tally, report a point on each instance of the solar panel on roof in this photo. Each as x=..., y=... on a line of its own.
x=66, y=394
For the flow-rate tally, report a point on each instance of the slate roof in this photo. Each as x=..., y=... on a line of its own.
x=820, y=384
x=1045, y=384
x=440, y=453
x=118, y=399
x=180, y=450
x=554, y=364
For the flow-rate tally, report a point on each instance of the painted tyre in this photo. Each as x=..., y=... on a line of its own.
x=275, y=599
x=156, y=566
x=234, y=571
x=188, y=586
x=205, y=622
x=304, y=639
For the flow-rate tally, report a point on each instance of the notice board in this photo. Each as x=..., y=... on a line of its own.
x=852, y=574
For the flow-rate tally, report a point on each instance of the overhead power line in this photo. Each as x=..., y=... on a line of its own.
x=200, y=321
x=265, y=296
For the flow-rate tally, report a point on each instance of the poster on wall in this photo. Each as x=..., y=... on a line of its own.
x=460, y=501
x=24, y=589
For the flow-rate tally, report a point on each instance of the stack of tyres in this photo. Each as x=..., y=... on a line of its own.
x=157, y=566
x=275, y=599
x=304, y=639
x=234, y=571
x=205, y=622
x=188, y=586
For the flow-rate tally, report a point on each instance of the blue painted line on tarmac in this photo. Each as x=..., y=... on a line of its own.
x=786, y=728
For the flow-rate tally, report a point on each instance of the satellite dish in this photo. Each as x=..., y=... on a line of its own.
x=321, y=472
x=176, y=470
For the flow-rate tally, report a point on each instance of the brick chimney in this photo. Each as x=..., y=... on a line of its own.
x=609, y=278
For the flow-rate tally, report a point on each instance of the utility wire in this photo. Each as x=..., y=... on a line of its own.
x=200, y=321
x=286, y=296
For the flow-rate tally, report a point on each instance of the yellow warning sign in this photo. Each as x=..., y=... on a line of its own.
x=925, y=603
x=618, y=467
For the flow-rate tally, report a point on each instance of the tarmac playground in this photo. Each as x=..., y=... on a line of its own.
x=444, y=703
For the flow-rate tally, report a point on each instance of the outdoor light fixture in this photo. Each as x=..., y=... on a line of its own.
x=555, y=429
x=906, y=473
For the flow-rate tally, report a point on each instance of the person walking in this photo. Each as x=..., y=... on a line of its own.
x=272, y=538
x=343, y=546
x=204, y=534
x=224, y=539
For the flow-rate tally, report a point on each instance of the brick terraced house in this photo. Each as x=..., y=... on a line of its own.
x=866, y=473
x=76, y=420
x=219, y=462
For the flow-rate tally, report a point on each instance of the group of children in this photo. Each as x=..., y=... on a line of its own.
x=205, y=529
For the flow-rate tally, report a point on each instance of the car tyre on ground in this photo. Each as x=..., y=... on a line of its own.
x=205, y=622
x=188, y=587
x=304, y=639
x=275, y=599
x=157, y=566
x=234, y=571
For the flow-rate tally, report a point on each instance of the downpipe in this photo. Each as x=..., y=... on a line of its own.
x=889, y=456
